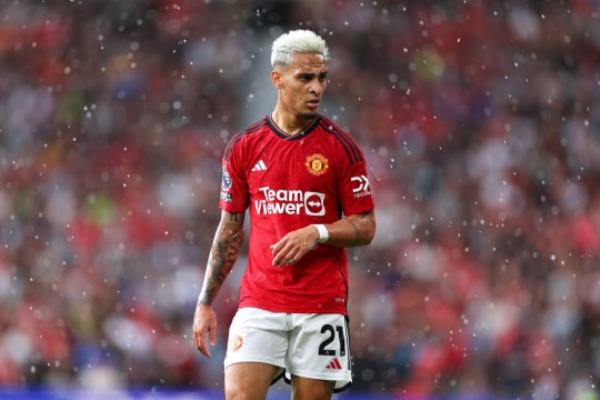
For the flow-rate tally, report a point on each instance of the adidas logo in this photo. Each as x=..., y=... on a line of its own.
x=259, y=166
x=334, y=364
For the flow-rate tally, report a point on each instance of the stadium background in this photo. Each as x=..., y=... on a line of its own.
x=480, y=122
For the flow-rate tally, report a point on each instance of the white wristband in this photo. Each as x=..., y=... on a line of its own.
x=323, y=233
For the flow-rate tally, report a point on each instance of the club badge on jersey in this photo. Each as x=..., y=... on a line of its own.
x=317, y=164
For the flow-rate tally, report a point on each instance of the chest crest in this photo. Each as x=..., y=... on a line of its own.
x=316, y=164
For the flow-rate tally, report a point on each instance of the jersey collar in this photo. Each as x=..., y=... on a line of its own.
x=279, y=132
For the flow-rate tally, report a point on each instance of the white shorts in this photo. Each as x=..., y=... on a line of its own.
x=312, y=346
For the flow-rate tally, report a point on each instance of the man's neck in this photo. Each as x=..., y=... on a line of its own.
x=289, y=123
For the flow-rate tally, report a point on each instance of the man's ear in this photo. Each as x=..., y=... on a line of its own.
x=276, y=78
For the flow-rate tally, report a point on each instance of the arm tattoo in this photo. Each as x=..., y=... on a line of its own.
x=223, y=253
x=356, y=232
x=362, y=224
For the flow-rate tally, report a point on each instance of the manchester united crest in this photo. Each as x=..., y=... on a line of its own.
x=236, y=343
x=317, y=164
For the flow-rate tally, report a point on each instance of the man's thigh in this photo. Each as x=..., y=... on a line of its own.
x=249, y=380
x=256, y=352
x=311, y=389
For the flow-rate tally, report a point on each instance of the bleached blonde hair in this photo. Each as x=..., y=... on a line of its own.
x=298, y=41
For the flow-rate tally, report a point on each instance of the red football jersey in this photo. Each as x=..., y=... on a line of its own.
x=289, y=182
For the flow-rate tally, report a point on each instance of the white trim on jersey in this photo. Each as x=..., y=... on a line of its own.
x=259, y=166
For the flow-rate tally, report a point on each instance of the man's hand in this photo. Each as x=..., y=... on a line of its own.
x=205, y=322
x=225, y=249
x=293, y=246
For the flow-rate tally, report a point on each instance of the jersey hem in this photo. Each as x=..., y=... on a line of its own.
x=295, y=310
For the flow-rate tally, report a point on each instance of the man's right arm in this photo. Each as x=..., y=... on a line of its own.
x=225, y=249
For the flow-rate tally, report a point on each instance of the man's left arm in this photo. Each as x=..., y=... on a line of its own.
x=349, y=231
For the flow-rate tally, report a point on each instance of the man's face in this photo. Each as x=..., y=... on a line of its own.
x=302, y=84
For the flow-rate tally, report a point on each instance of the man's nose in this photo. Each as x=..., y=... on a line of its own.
x=316, y=87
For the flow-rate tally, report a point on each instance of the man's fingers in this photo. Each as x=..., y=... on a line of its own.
x=205, y=325
x=282, y=256
x=196, y=341
x=294, y=256
x=291, y=248
x=278, y=249
x=279, y=245
x=200, y=341
x=290, y=256
x=212, y=333
x=203, y=348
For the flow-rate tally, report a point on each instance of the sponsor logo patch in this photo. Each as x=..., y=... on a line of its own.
x=360, y=186
x=334, y=364
x=226, y=197
x=259, y=166
x=317, y=164
x=290, y=202
x=225, y=180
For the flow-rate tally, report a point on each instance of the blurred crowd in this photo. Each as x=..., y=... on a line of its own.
x=480, y=121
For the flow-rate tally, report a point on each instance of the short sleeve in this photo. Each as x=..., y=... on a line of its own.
x=354, y=187
x=234, y=187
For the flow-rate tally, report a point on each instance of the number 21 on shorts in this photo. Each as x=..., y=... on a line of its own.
x=330, y=332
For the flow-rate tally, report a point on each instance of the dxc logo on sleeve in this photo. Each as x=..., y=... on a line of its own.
x=360, y=186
